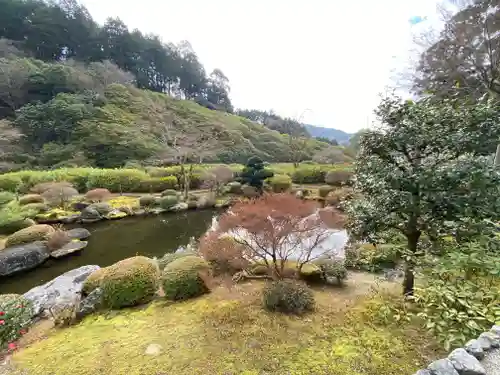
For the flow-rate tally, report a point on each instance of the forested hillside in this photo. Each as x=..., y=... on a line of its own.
x=73, y=92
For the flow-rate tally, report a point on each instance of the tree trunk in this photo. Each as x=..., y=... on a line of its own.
x=497, y=155
x=409, y=278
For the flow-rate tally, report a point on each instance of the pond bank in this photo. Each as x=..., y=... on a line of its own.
x=112, y=241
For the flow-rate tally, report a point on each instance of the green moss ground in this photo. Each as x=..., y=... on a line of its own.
x=227, y=332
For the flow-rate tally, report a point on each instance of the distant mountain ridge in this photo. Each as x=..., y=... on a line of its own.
x=318, y=131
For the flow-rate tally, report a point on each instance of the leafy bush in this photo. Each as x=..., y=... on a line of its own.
x=37, y=207
x=169, y=192
x=288, y=296
x=339, y=196
x=97, y=195
x=15, y=316
x=205, y=201
x=338, y=177
x=308, y=176
x=332, y=268
x=40, y=232
x=59, y=195
x=148, y=201
x=130, y=282
x=369, y=258
x=249, y=191
x=168, y=202
x=170, y=257
x=280, y=183
x=323, y=191
x=184, y=278
x=459, y=299
x=31, y=198
x=156, y=185
x=10, y=182
x=116, y=180
x=6, y=197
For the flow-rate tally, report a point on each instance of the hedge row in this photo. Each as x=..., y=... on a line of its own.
x=152, y=180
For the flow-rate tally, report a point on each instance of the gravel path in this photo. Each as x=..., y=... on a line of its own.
x=491, y=362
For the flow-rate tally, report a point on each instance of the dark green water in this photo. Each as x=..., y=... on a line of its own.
x=112, y=241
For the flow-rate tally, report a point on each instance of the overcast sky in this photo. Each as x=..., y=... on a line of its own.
x=323, y=61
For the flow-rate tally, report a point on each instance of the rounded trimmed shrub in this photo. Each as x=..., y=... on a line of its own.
x=168, y=201
x=16, y=226
x=31, y=198
x=170, y=257
x=288, y=296
x=10, y=182
x=182, y=279
x=93, y=281
x=156, y=185
x=205, y=201
x=169, y=192
x=147, y=201
x=332, y=268
x=97, y=195
x=280, y=183
x=39, y=232
x=234, y=188
x=338, y=177
x=37, y=207
x=308, y=176
x=130, y=282
x=6, y=197
x=249, y=191
x=323, y=191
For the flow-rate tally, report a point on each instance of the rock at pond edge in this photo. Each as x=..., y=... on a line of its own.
x=465, y=363
x=69, y=248
x=78, y=233
x=89, y=304
x=64, y=290
x=22, y=257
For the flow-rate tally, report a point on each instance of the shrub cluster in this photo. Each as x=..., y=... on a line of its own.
x=170, y=257
x=185, y=278
x=40, y=232
x=156, y=185
x=369, y=258
x=288, y=296
x=309, y=176
x=168, y=201
x=130, y=282
x=338, y=177
x=148, y=201
x=31, y=198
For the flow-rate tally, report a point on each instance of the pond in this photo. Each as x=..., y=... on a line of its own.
x=113, y=241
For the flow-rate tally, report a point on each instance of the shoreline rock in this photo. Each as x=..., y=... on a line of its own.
x=22, y=257
x=69, y=248
x=64, y=290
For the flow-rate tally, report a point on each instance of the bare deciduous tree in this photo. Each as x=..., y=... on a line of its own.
x=278, y=228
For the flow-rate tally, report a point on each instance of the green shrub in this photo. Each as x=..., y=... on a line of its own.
x=184, y=278
x=6, y=197
x=308, y=176
x=16, y=312
x=148, y=201
x=170, y=257
x=332, y=268
x=369, y=258
x=31, y=198
x=169, y=192
x=168, y=202
x=93, y=281
x=10, y=182
x=323, y=191
x=40, y=232
x=130, y=282
x=37, y=207
x=156, y=185
x=16, y=226
x=338, y=177
x=288, y=296
x=460, y=294
x=116, y=180
x=234, y=188
x=102, y=207
x=280, y=183
x=250, y=191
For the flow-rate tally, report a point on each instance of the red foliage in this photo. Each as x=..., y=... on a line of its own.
x=279, y=227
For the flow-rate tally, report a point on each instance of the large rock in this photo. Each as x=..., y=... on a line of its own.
x=90, y=304
x=63, y=291
x=22, y=257
x=489, y=340
x=90, y=215
x=442, y=367
x=465, y=363
x=181, y=206
x=69, y=248
x=78, y=233
x=475, y=348
x=70, y=219
x=423, y=372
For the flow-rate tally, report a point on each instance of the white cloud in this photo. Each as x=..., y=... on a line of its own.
x=329, y=56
